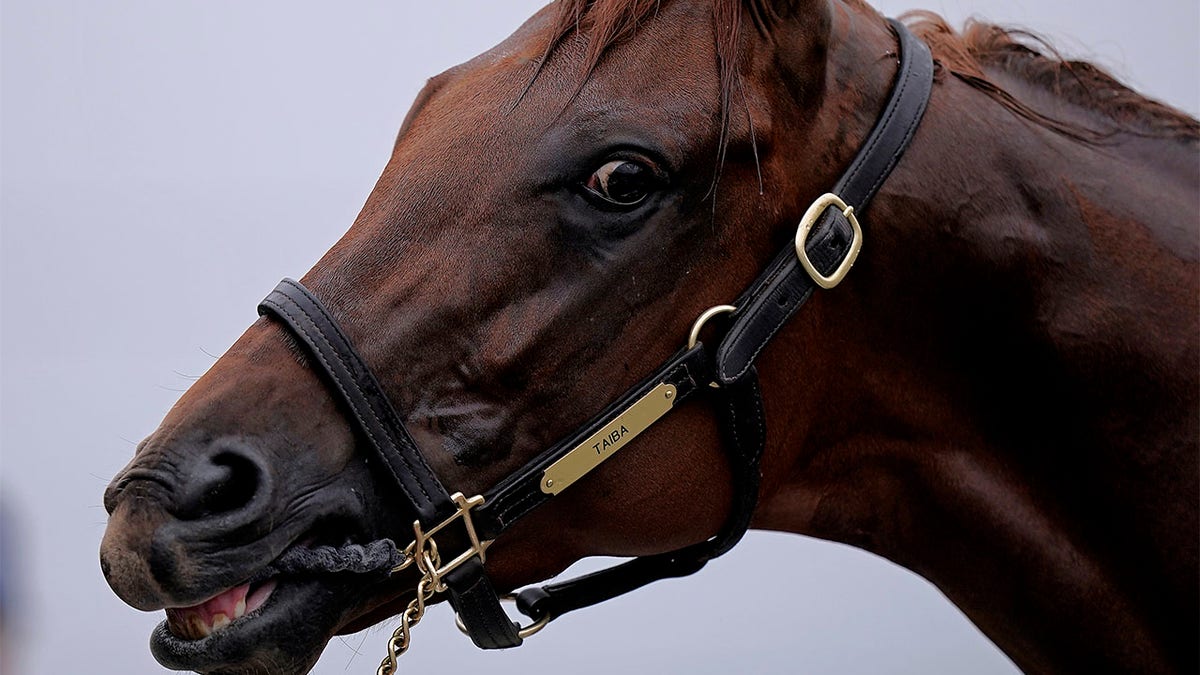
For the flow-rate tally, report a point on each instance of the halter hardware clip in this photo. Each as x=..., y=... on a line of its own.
x=423, y=551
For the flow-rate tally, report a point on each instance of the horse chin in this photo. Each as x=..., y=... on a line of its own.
x=285, y=635
x=378, y=614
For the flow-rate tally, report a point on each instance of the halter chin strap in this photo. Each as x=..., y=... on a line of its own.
x=827, y=242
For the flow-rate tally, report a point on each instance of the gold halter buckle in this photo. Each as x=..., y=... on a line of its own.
x=814, y=213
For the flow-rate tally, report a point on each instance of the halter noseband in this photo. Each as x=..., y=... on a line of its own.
x=827, y=242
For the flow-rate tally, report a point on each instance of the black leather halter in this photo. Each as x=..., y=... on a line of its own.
x=827, y=243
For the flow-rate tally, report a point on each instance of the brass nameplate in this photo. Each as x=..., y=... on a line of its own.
x=608, y=440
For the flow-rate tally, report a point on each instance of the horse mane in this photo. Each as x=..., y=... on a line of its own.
x=967, y=55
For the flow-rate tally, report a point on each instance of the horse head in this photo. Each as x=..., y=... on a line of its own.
x=554, y=216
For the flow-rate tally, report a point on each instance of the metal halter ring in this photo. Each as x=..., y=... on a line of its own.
x=694, y=336
x=522, y=632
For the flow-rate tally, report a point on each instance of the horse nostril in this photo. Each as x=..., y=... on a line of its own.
x=224, y=482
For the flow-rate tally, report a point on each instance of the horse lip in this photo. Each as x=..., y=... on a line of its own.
x=268, y=635
x=152, y=480
x=184, y=582
x=185, y=563
x=289, y=616
x=286, y=620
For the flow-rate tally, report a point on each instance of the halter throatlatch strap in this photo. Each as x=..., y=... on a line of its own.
x=740, y=413
x=826, y=244
x=786, y=284
x=355, y=386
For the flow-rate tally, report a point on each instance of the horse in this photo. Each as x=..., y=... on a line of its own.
x=1000, y=395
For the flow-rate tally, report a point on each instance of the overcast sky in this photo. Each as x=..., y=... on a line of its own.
x=154, y=151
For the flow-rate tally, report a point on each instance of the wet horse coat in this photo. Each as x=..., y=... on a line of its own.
x=1002, y=396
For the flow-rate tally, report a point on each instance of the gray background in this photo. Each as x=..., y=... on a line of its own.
x=153, y=153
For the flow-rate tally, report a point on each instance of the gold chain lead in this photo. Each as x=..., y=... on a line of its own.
x=402, y=636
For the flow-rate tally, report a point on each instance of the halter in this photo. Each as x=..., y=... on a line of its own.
x=826, y=245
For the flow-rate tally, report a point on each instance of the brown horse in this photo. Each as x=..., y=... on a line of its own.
x=1002, y=396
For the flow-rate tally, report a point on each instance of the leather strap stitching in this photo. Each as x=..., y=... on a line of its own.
x=345, y=395
x=388, y=410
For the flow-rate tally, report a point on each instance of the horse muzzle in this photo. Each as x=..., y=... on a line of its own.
x=168, y=512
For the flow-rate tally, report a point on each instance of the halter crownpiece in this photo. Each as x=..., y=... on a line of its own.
x=827, y=242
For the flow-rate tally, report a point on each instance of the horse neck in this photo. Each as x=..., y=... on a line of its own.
x=952, y=416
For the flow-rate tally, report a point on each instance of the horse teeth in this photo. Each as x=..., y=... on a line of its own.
x=219, y=621
x=239, y=610
x=200, y=628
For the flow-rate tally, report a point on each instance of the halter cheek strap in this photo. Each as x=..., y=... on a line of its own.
x=823, y=257
x=828, y=239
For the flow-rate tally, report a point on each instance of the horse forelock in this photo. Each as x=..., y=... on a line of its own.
x=980, y=46
x=605, y=23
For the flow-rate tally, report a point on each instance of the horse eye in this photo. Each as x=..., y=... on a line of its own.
x=622, y=182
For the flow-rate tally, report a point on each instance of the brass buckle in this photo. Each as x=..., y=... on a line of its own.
x=814, y=213
x=523, y=632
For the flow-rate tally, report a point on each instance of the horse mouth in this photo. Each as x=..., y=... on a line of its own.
x=277, y=621
x=220, y=612
x=283, y=629
x=262, y=627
